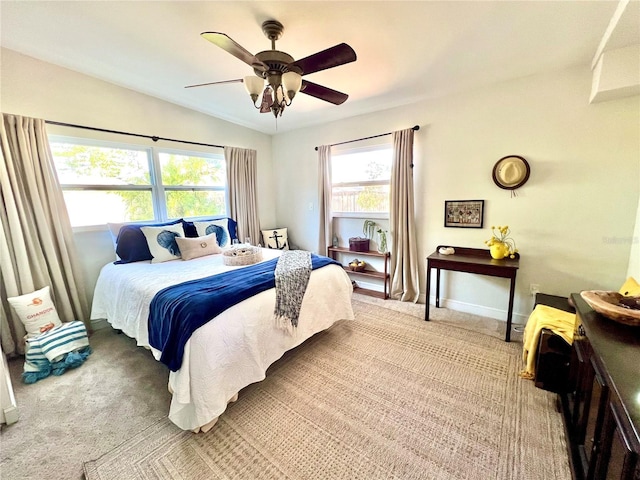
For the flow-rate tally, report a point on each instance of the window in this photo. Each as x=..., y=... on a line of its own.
x=105, y=182
x=193, y=185
x=361, y=180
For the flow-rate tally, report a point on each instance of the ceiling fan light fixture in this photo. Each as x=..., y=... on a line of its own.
x=292, y=82
x=267, y=100
x=254, y=86
x=278, y=77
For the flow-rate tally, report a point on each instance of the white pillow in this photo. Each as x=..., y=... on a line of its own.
x=36, y=311
x=162, y=241
x=114, y=230
x=198, y=247
x=276, y=238
x=220, y=227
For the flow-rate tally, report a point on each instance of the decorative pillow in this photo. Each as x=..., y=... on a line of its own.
x=114, y=230
x=162, y=242
x=198, y=246
x=61, y=348
x=219, y=227
x=191, y=232
x=61, y=340
x=631, y=288
x=276, y=238
x=132, y=245
x=36, y=311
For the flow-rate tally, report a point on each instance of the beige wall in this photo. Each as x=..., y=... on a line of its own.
x=573, y=220
x=38, y=89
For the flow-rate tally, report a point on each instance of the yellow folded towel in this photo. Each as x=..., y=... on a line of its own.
x=558, y=321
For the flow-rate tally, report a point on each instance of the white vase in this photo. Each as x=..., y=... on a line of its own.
x=382, y=242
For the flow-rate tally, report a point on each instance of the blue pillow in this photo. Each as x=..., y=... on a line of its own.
x=190, y=228
x=131, y=244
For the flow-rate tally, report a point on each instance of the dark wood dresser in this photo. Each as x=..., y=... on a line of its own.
x=602, y=407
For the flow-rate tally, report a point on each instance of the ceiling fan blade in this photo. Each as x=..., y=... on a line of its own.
x=323, y=93
x=329, y=58
x=229, y=45
x=237, y=80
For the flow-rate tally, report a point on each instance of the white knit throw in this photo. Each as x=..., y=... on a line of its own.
x=292, y=276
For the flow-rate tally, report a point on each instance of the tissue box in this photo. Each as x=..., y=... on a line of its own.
x=358, y=244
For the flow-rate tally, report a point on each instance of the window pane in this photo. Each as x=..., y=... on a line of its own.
x=361, y=179
x=92, y=165
x=195, y=204
x=102, y=182
x=92, y=207
x=361, y=199
x=192, y=170
x=360, y=166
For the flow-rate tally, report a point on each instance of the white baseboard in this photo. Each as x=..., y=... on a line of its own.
x=481, y=310
x=369, y=286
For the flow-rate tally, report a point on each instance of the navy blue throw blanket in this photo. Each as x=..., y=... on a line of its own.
x=179, y=310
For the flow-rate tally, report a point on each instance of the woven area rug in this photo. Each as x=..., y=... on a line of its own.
x=385, y=396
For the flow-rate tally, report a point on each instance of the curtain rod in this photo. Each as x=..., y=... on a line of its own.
x=416, y=127
x=152, y=137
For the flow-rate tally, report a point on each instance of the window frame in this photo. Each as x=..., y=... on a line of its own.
x=162, y=188
x=155, y=187
x=370, y=147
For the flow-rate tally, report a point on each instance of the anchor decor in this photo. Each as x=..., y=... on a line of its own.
x=276, y=239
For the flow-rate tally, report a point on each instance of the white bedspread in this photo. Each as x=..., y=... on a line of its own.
x=230, y=352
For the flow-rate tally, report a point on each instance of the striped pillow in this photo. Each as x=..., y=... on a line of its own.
x=51, y=346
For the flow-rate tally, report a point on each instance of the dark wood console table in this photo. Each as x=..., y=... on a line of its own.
x=473, y=260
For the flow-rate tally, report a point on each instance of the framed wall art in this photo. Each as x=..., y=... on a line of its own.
x=463, y=213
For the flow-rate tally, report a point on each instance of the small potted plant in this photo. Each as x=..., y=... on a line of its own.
x=501, y=244
x=369, y=228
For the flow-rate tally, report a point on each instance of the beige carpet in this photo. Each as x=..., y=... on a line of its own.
x=385, y=396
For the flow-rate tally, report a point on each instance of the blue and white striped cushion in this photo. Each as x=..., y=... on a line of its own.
x=34, y=359
x=52, y=345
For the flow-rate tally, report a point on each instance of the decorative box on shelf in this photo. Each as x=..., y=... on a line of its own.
x=358, y=244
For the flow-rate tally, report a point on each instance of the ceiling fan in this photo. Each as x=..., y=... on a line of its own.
x=280, y=72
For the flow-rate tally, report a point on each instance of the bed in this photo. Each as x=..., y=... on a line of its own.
x=232, y=350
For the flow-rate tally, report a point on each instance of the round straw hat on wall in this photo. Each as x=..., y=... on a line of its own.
x=511, y=172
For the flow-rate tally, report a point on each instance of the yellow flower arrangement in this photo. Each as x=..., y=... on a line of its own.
x=501, y=244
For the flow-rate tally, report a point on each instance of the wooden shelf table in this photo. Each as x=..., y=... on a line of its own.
x=332, y=252
x=473, y=260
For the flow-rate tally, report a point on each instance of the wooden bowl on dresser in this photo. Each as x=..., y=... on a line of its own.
x=608, y=305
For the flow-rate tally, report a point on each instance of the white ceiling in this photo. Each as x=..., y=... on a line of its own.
x=406, y=51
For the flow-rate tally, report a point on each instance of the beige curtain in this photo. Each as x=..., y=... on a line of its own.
x=36, y=240
x=404, y=255
x=324, y=198
x=242, y=179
